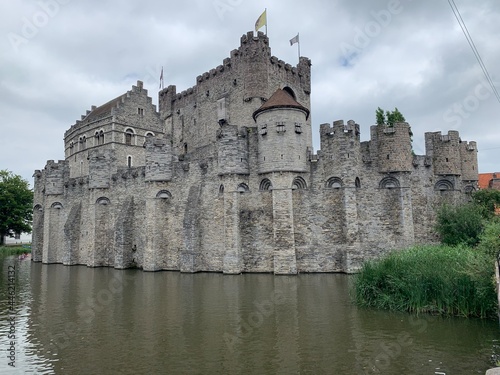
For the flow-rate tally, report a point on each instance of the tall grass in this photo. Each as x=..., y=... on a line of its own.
x=14, y=250
x=430, y=279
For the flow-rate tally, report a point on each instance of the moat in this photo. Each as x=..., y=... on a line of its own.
x=79, y=320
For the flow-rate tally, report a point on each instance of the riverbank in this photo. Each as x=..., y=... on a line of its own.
x=15, y=249
x=444, y=280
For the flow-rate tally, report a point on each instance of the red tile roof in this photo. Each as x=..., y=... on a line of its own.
x=485, y=178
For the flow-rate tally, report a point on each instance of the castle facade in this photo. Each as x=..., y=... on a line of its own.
x=222, y=177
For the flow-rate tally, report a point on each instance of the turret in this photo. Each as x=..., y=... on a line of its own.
x=468, y=156
x=54, y=177
x=282, y=127
x=394, y=151
x=158, y=159
x=444, y=150
x=101, y=163
x=340, y=144
x=232, y=150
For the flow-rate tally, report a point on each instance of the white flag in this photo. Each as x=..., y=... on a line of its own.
x=294, y=40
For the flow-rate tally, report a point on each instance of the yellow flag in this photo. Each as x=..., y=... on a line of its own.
x=262, y=21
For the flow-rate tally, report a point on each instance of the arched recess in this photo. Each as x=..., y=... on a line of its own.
x=57, y=205
x=103, y=201
x=290, y=91
x=243, y=188
x=265, y=184
x=469, y=189
x=299, y=183
x=334, y=183
x=164, y=194
x=221, y=189
x=38, y=207
x=443, y=185
x=389, y=183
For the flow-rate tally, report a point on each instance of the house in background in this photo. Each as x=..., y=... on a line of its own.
x=489, y=180
x=23, y=238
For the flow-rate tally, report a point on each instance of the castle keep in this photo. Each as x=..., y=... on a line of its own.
x=222, y=177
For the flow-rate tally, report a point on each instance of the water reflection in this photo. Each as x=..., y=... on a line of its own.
x=78, y=320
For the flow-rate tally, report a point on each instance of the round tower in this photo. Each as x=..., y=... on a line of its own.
x=282, y=127
x=394, y=148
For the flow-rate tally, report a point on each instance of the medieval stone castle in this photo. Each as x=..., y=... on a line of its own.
x=224, y=178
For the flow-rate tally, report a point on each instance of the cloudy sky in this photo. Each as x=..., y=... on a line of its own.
x=59, y=57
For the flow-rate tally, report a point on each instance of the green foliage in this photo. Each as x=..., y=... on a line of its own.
x=430, y=279
x=487, y=199
x=14, y=250
x=460, y=224
x=16, y=201
x=388, y=118
x=489, y=243
x=380, y=116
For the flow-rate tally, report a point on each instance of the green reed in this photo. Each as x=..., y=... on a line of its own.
x=14, y=250
x=444, y=280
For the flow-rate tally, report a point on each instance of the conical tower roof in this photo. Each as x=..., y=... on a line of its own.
x=280, y=99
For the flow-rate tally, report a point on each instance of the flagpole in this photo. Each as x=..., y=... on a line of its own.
x=298, y=44
x=265, y=10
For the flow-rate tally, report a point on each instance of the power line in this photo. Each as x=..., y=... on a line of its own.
x=472, y=45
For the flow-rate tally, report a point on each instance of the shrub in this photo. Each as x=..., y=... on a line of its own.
x=490, y=239
x=487, y=199
x=460, y=224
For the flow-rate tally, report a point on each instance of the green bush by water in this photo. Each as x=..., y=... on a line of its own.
x=445, y=280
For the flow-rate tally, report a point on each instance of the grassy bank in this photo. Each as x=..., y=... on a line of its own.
x=14, y=250
x=430, y=279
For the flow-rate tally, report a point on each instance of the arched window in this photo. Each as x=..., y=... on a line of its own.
x=389, y=183
x=443, y=185
x=71, y=146
x=469, y=189
x=129, y=135
x=221, y=189
x=265, y=184
x=103, y=201
x=150, y=134
x=84, y=142
x=299, y=183
x=129, y=161
x=96, y=139
x=357, y=183
x=242, y=188
x=38, y=207
x=101, y=137
x=57, y=205
x=334, y=183
x=164, y=194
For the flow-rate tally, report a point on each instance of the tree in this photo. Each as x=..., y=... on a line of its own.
x=16, y=201
x=380, y=116
x=388, y=118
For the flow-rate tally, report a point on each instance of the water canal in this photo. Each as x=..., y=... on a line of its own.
x=79, y=320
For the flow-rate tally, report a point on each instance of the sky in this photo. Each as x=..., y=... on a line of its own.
x=59, y=57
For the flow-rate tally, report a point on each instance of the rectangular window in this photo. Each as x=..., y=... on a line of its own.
x=140, y=111
x=298, y=127
x=263, y=129
x=280, y=127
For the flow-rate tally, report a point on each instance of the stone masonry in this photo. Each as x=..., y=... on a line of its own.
x=223, y=178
